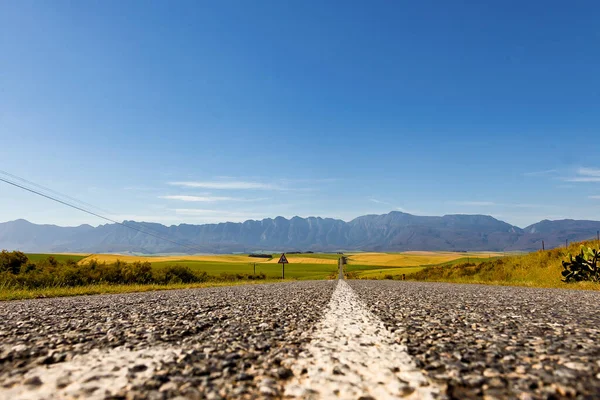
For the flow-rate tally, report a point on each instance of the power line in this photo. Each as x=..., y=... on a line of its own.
x=97, y=215
x=68, y=197
x=53, y=191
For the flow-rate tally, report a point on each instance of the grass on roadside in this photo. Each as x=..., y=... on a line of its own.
x=271, y=270
x=63, y=291
x=537, y=269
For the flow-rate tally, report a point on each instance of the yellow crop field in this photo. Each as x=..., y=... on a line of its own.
x=228, y=258
x=303, y=259
x=406, y=259
x=411, y=258
x=225, y=258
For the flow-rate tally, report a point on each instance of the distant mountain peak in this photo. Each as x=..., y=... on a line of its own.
x=394, y=231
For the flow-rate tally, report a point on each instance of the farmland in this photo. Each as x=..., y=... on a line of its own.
x=303, y=266
x=48, y=275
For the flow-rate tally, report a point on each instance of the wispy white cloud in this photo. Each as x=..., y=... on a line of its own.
x=208, y=199
x=583, y=179
x=376, y=201
x=204, y=211
x=476, y=203
x=226, y=185
x=585, y=175
x=142, y=218
x=594, y=197
x=209, y=215
x=541, y=173
x=140, y=188
x=589, y=171
x=314, y=180
x=525, y=205
x=255, y=183
x=413, y=212
x=495, y=204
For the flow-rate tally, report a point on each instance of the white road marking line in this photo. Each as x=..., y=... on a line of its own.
x=352, y=354
x=95, y=375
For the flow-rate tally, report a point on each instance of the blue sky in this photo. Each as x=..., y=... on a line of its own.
x=225, y=111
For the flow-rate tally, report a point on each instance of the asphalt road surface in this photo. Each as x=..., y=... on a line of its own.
x=319, y=339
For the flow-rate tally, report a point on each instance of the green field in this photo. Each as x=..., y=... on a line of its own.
x=301, y=266
x=271, y=270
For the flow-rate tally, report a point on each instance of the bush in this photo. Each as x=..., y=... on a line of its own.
x=261, y=255
x=224, y=276
x=137, y=272
x=12, y=261
x=178, y=274
x=16, y=271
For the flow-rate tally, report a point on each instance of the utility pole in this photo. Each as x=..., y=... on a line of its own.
x=543, y=246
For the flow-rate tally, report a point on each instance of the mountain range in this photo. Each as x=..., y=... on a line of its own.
x=395, y=231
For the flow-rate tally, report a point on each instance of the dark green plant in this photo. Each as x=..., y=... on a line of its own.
x=137, y=272
x=584, y=267
x=12, y=261
x=178, y=274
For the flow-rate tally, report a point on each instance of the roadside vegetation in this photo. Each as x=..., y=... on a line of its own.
x=44, y=275
x=22, y=277
x=397, y=265
x=102, y=288
x=537, y=269
x=50, y=275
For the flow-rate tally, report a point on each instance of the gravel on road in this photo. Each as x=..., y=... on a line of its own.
x=495, y=342
x=256, y=341
x=198, y=343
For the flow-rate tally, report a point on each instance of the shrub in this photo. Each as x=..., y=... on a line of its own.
x=261, y=255
x=224, y=276
x=112, y=273
x=12, y=261
x=178, y=274
x=16, y=271
x=138, y=272
x=258, y=276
